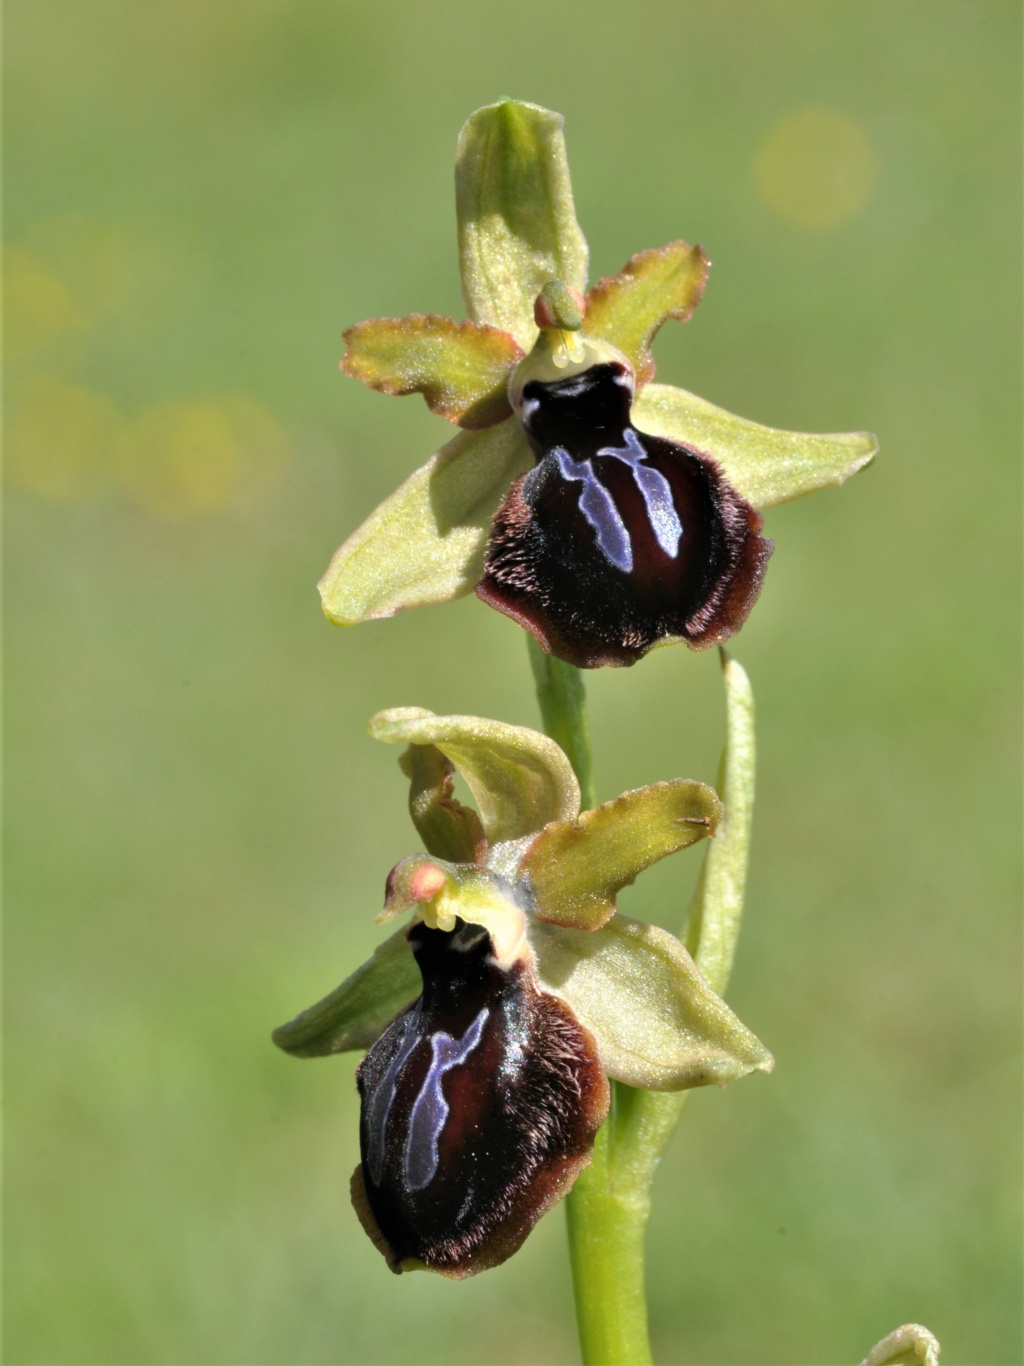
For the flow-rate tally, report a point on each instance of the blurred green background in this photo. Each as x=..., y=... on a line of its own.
x=200, y=196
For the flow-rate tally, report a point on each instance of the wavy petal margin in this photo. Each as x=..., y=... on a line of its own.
x=517, y=222
x=461, y=369
x=576, y=869
x=519, y=779
x=766, y=466
x=656, y=1022
x=426, y=543
x=628, y=309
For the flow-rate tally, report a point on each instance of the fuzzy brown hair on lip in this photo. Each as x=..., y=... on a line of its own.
x=615, y=540
x=480, y=1103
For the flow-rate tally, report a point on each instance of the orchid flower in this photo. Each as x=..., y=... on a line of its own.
x=496, y=1016
x=605, y=513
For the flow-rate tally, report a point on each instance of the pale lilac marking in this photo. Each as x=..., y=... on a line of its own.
x=598, y=507
x=656, y=491
x=430, y=1109
x=379, y=1105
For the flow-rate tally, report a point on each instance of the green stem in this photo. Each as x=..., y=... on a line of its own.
x=607, y=1209
x=609, y=1205
x=563, y=708
x=606, y=1222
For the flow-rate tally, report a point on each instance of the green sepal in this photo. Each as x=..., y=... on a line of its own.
x=519, y=779
x=461, y=369
x=355, y=1014
x=517, y=223
x=656, y=1022
x=448, y=829
x=653, y=286
x=576, y=868
x=426, y=542
x=910, y=1345
x=716, y=907
x=765, y=466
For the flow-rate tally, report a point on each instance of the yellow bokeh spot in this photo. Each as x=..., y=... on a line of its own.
x=816, y=168
x=109, y=270
x=181, y=460
x=58, y=439
x=175, y=460
x=38, y=306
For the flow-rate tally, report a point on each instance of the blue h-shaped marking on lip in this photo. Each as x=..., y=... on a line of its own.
x=656, y=490
x=430, y=1109
x=599, y=509
x=378, y=1108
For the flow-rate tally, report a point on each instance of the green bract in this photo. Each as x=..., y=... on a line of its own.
x=518, y=232
x=541, y=878
x=909, y=1345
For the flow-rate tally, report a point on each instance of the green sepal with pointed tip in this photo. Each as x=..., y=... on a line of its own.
x=517, y=223
x=448, y=829
x=628, y=309
x=519, y=779
x=576, y=868
x=764, y=465
x=656, y=1022
x=461, y=369
x=356, y=1013
x=426, y=542
x=910, y=1345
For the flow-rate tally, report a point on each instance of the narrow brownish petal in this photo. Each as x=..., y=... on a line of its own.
x=576, y=868
x=628, y=309
x=461, y=369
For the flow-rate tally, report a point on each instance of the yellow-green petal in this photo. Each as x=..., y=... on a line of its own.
x=426, y=543
x=358, y=1011
x=656, y=1022
x=576, y=868
x=910, y=1345
x=628, y=309
x=519, y=779
x=517, y=223
x=764, y=465
x=461, y=369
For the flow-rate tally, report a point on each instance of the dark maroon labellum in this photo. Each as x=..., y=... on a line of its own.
x=616, y=540
x=479, y=1107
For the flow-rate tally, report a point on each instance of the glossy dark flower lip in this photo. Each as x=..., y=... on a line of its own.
x=616, y=541
x=480, y=1103
x=431, y=540
x=495, y=1019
